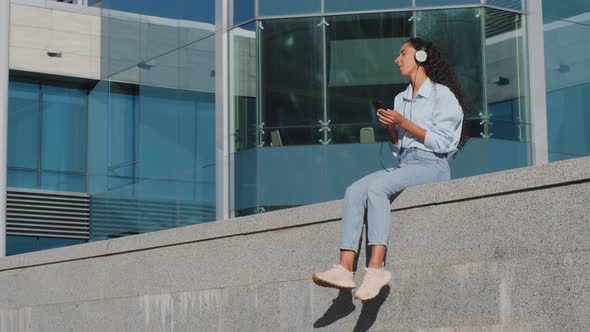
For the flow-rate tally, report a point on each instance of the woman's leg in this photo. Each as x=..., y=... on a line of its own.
x=347, y=259
x=377, y=256
x=379, y=205
x=355, y=203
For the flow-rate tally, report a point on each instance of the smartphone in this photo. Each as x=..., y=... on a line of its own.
x=378, y=104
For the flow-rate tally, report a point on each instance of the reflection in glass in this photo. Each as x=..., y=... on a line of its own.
x=567, y=61
x=243, y=70
x=277, y=7
x=120, y=43
x=510, y=4
x=197, y=65
x=158, y=36
x=572, y=10
x=193, y=10
x=243, y=10
x=153, y=122
x=507, y=115
x=134, y=37
x=353, y=5
x=167, y=179
x=428, y=3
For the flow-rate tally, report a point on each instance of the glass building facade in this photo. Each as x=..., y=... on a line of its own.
x=301, y=92
x=151, y=142
x=210, y=109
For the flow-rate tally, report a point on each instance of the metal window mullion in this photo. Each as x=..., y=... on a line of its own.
x=39, y=133
x=108, y=128
x=536, y=77
x=134, y=138
x=325, y=79
x=87, y=136
x=221, y=110
x=484, y=114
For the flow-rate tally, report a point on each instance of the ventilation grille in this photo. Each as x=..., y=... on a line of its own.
x=47, y=213
x=114, y=217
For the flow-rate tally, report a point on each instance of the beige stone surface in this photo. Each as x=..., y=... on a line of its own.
x=34, y=31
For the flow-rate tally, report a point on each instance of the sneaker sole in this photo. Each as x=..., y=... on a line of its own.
x=372, y=297
x=326, y=283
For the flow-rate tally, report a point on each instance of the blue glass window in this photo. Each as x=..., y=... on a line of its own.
x=121, y=128
x=63, y=182
x=51, y=242
x=570, y=9
x=20, y=244
x=194, y=10
x=568, y=90
x=16, y=244
x=510, y=4
x=424, y=3
x=23, y=124
x=278, y=7
x=243, y=10
x=63, y=123
x=17, y=178
x=351, y=5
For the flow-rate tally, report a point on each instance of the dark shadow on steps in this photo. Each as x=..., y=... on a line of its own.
x=341, y=307
x=370, y=310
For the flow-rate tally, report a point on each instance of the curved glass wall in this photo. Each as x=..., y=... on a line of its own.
x=301, y=90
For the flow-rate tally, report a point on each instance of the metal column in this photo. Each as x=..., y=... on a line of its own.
x=221, y=110
x=4, y=43
x=538, y=97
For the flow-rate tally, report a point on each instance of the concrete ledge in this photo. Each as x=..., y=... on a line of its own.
x=560, y=173
x=504, y=251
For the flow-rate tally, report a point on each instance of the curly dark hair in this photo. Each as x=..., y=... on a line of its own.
x=440, y=71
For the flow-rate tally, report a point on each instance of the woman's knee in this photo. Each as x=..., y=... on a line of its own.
x=355, y=190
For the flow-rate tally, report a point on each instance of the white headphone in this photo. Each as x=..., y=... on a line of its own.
x=421, y=56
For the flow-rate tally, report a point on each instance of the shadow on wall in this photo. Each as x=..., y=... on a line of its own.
x=342, y=306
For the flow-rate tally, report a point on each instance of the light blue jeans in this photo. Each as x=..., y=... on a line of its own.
x=373, y=193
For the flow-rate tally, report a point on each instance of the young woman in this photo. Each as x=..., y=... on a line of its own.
x=425, y=130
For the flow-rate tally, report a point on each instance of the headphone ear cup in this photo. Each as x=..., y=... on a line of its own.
x=421, y=56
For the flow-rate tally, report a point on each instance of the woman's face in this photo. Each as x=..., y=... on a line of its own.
x=405, y=61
